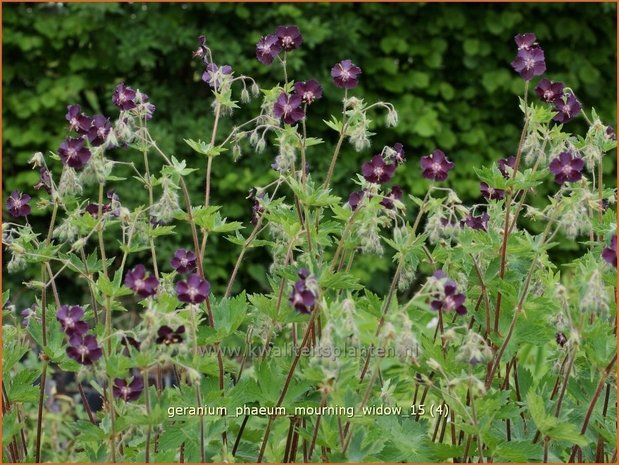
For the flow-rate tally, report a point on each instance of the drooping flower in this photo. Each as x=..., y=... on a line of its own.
x=142, y=285
x=123, y=97
x=45, y=180
x=567, y=167
x=99, y=130
x=449, y=299
x=549, y=91
x=288, y=107
x=128, y=391
x=73, y=153
x=399, y=157
x=167, y=335
x=529, y=63
x=144, y=108
x=93, y=209
x=477, y=222
x=345, y=74
x=377, y=171
x=610, y=133
x=267, y=48
x=526, y=41
x=301, y=297
x=395, y=194
x=84, y=349
x=491, y=193
x=561, y=339
x=355, y=198
x=309, y=91
x=609, y=254
x=71, y=320
x=130, y=341
x=504, y=163
x=183, y=261
x=202, y=50
x=289, y=37
x=214, y=75
x=17, y=204
x=436, y=166
x=194, y=290
x=567, y=108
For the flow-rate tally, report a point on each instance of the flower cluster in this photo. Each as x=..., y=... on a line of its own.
x=287, y=38
x=609, y=254
x=302, y=297
x=530, y=59
x=83, y=348
x=447, y=299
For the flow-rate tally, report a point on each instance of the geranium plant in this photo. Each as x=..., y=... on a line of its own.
x=482, y=349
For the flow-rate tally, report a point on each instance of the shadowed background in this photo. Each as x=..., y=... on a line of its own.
x=446, y=68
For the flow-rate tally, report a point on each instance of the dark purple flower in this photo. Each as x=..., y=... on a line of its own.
x=127, y=392
x=194, y=290
x=167, y=336
x=377, y=171
x=137, y=281
x=28, y=313
x=567, y=168
x=214, y=75
x=354, y=199
x=17, y=204
x=45, y=180
x=450, y=300
x=398, y=158
x=93, y=209
x=288, y=107
x=345, y=74
x=123, y=97
x=77, y=121
x=609, y=254
x=477, y=222
x=73, y=153
x=567, y=108
x=561, y=339
x=71, y=320
x=529, y=63
x=289, y=37
x=549, y=91
x=301, y=297
x=610, y=133
x=395, y=194
x=504, y=163
x=184, y=261
x=130, y=341
x=491, y=193
x=99, y=130
x=256, y=211
x=267, y=48
x=308, y=91
x=526, y=41
x=436, y=166
x=202, y=50
x=84, y=349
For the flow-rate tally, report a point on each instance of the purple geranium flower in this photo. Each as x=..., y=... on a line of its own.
x=78, y=122
x=130, y=341
x=526, y=41
x=267, y=48
x=301, y=297
x=610, y=133
x=73, y=153
x=99, y=130
x=308, y=91
x=549, y=91
x=567, y=107
x=567, y=167
x=436, y=166
x=202, y=50
x=93, y=209
x=451, y=300
x=127, y=392
x=84, y=349
x=123, y=97
x=529, y=63
x=137, y=281
x=214, y=75
x=504, y=163
x=398, y=158
x=609, y=254
x=477, y=222
x=167, y=336
x=491, y=193
x=17, y=204
x=194, y=290
x=184, y=261
x=395, y=194
x=288, y=107
x=71, y=320
x=345, y=74
x=289, y=37
x=45, y=180
x=561, y=339
x=377, y=171
x=355, y=198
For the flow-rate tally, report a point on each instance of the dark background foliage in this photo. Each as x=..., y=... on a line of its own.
x=445, y=67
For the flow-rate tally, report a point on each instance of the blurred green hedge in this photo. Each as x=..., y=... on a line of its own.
x=446, y=67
